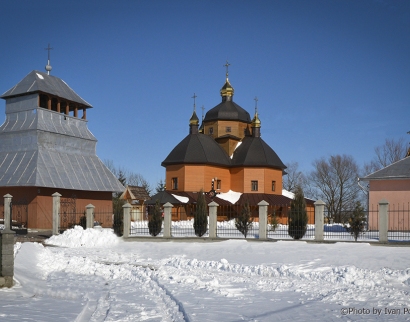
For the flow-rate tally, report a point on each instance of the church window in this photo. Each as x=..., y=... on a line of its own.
x=228, y=129
x=254, y=185
x=218, y=184
x=273, y=185
x=174, y=183
x=211, y=130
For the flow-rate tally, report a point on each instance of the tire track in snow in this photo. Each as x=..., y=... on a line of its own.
x=339, y=285
x=93, y=268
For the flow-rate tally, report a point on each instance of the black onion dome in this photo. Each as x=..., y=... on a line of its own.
x=255, y=152
x=227, y=110
x=197, y=148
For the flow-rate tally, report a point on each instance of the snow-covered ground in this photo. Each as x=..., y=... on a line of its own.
x=95, y=276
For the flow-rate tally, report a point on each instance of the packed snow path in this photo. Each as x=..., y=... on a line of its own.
x=97, y=277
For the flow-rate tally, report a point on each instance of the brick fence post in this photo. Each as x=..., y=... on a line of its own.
x=6, y=257
x=383, y=220
x=89, y=216
x=126, y=220
x=56, y=212
x=319, y=219
x=7, y=214
x=263, y=219
x=167, y=233
x=213, y=219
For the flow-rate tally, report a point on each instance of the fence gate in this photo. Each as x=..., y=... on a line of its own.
x=68, y=213
x=19, y=215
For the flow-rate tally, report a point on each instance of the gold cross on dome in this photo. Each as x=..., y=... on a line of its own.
x=227, y=66
x=194, y=97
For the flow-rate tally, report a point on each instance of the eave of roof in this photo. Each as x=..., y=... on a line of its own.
x=39, y=82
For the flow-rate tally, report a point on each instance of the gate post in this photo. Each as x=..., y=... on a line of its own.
x=6, y=257
x=319, y=219
x=126, y=220
x=213, y=219
x=167, y=220
x=263, y=219
x=89, y=216
x=383, y=220
x=7, y=211
x=56, y=212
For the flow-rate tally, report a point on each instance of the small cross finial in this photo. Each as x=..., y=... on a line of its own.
x=48, y=66
x=48, y=49
x=227, y=68
x=256, y=104
x=202, y=108
x=194, y=97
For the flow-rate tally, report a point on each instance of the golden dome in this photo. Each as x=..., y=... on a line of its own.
x=256, y=122
x=227, y=90
x=194, y=120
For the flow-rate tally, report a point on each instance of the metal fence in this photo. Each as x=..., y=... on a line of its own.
x=399, y=222
x=278, y=223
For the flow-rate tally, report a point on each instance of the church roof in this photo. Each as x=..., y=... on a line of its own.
x=198, y=149
x=37, y=81
x=397, y=170
x=56, y=169
x=255, y=152
x=227, y=110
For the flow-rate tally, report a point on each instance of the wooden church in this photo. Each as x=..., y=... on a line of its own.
x=46, y=147
x=225, y=153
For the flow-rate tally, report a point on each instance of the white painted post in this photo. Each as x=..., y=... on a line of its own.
x=56, y=212
x=7, y=215
x=167, y=220
x=126, y=220
x=263, y=219
x=213, y=219
x=89, y=216
x=319, y=219
x=383, y=220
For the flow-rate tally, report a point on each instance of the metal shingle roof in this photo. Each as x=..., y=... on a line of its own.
x=197, y=148
x=255, y=152
x=37, y=81
x=397, y=170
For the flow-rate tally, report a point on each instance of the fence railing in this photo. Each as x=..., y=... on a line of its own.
x=383, y=223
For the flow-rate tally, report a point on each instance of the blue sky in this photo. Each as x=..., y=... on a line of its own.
x=332, y=77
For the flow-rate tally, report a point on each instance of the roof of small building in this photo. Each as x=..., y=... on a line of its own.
x=137, y=193
x=227, y=110
x=37, y=81
x=163, y=197
x=397, y=170
x=255, y=152
x=197, y=149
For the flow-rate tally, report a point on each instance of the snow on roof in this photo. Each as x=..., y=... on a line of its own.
x=237, y=146
x=231, y=196
x=181, y=198
x=288, y=194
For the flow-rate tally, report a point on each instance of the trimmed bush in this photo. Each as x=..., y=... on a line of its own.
x=244, y=221
x=201, y=215
x=155, y=220
x=356, y=222
x=297, y=217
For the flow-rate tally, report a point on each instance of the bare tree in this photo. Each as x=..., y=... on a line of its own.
x=128, y=177
x=335, y=182
x=391, y=151
x=293, y=178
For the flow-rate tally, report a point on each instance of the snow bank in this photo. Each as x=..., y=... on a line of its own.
x=78, y=237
